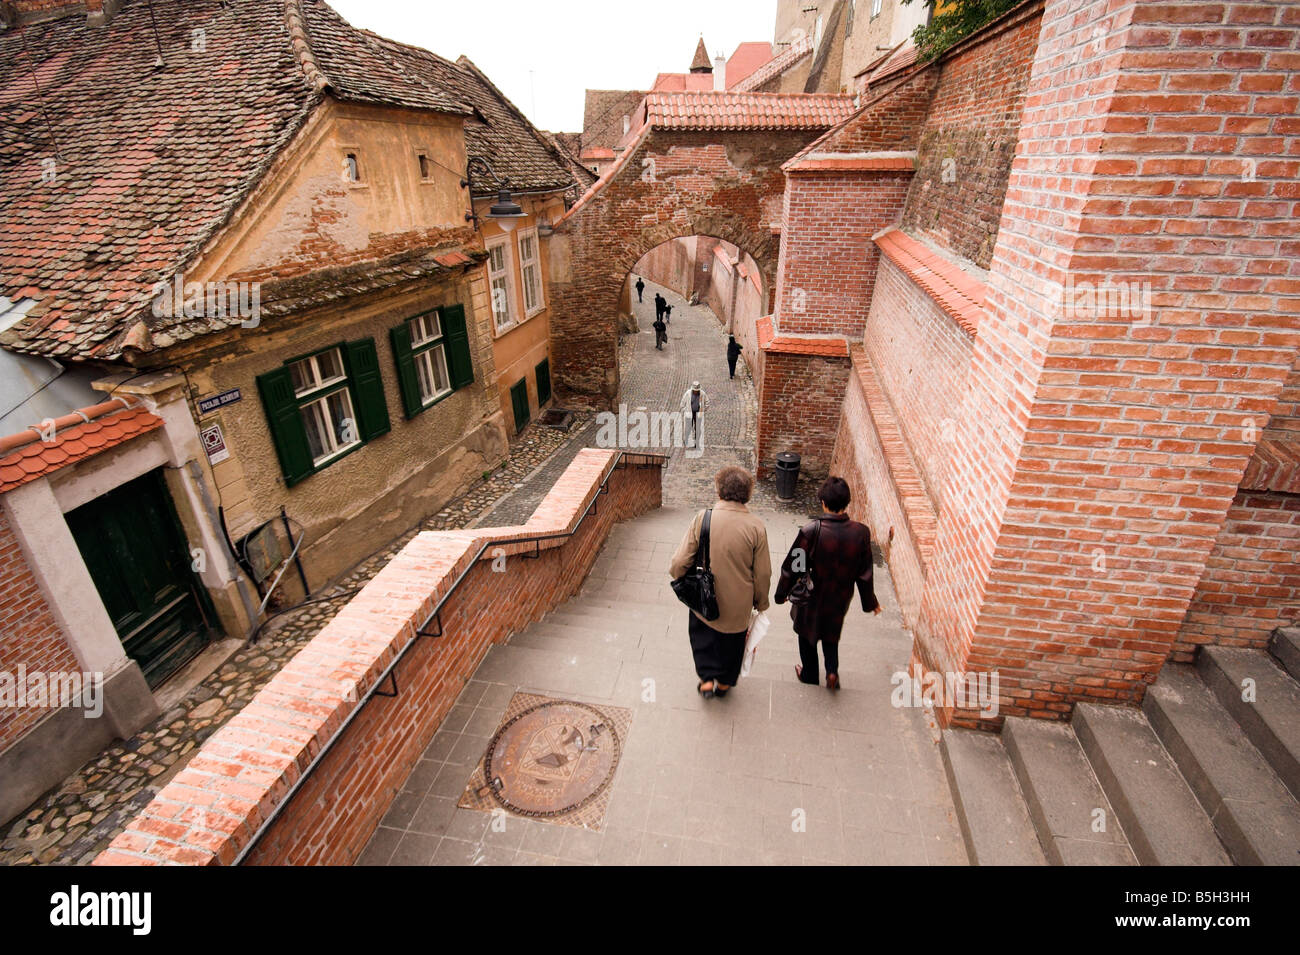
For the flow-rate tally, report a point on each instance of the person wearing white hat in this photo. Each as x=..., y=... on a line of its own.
x=694, y=402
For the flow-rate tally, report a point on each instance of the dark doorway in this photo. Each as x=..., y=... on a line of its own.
x=136, y=554
x=519, y=401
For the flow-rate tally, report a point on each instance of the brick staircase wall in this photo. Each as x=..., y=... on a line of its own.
x=210, y=812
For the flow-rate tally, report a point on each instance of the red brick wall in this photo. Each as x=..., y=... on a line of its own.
x=1098, y=456
x=212, y=807
x=1285, y=421
x=671, y=265
x=828, y=261
x=1252, y=577
x=725, y=185
x=969, y=136
x=28, y=634
x=799, y=409
x=922, y=359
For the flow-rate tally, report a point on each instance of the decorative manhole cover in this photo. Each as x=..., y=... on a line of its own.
x=550, y=759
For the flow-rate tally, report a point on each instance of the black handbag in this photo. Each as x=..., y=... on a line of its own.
x=802, y=591
x=695, y=587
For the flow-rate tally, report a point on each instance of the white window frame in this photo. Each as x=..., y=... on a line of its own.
x=535, y=264
x=506, y=272
x=314, y=402
x=429, y=351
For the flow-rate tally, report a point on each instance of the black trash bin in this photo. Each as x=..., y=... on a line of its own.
x=787, y=475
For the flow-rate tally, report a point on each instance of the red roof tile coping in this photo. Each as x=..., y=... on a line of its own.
x=792, y=54
x=81, y=415
x=770, y=341
x=74, y=439
x=731, y=110
x=959, y=294
x=866, y=162
x=1275, y=466
x=918, y=510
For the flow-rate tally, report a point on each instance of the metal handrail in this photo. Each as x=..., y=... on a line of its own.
x=390, y=670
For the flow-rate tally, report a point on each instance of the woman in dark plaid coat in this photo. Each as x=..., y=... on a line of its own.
x=840, y=560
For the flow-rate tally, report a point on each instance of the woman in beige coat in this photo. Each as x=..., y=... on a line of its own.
x=742, y=573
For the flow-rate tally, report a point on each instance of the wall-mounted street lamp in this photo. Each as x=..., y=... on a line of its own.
x=505, y=211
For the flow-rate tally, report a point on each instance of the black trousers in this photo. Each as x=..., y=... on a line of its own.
x=731, y=363
x=638, y=295
x=808, y=657
x=717, y=655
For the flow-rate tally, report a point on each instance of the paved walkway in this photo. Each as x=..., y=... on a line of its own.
x=775, y=773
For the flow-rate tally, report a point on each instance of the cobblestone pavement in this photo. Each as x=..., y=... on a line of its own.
x=74, y=822
x=654, y=381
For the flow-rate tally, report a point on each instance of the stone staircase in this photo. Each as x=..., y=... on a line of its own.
x=1197, y=776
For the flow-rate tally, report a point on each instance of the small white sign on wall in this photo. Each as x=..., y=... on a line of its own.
x=214, y=442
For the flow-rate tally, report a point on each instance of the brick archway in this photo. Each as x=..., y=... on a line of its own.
x=681, y=176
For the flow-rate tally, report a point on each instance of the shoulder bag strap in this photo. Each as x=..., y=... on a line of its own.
x=704, y=539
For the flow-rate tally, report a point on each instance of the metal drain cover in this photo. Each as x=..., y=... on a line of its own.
x=552, y=759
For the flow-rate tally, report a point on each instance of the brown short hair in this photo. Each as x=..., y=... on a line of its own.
x=835, y=494
x=734, y=484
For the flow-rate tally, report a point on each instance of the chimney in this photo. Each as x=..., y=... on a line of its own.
x=719, y=73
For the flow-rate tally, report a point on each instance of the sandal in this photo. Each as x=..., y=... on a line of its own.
x=710, y=692
x=718, y=692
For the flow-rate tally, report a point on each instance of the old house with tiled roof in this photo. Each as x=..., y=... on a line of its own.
x=262, y=234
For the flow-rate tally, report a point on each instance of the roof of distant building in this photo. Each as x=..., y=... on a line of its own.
x=774, y=67
x=728, y=110
x=746, y=59
x=701, y=62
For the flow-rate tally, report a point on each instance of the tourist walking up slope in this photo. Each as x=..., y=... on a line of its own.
x=831, y=555
x=742, y=573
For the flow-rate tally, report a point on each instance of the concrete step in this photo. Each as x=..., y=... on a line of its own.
x=991, y=811
x=1255, y=815
x=1164, y=823
x=1284, y=644
x=612, y=635
x=587, y=672
x=1271, y=720
x=570, y=647
x=1063, y=795
x=584, y=615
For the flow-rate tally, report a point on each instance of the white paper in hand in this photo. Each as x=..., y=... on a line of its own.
x=757, y=631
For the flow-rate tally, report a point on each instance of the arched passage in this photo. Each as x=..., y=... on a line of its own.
x=680, y=176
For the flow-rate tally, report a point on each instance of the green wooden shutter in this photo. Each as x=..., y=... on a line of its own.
x=407, y=380
x=367, y=388
x=285, y=423
x=543, y=382
x=460, y=364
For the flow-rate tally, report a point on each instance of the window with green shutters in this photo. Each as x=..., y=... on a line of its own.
x=543, y=374
x=322, y=406
x=519, y=403
x=433, y=357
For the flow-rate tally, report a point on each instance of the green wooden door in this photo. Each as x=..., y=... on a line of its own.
x=519, y=401
x=137, y=557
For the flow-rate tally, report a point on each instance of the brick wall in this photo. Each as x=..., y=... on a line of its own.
x=1099, y=455
x=799, y=408
x=28, y=634
x=968, y=138
x=670, y=184
x=922, y=359
x=211, y=809
x=1252, y=577
x=1284, y=423
x=671, y=265
x=828, y=261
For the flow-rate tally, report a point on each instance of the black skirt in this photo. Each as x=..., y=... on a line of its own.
x=718, y=655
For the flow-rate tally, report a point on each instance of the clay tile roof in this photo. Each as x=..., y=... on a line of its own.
x=770, y=341
x=746, y=59
x=774, y=67
x=730, y=110
x=701, y=60
x=960, y=294
x=77, y=442
x=902, y=57
x=150, y=163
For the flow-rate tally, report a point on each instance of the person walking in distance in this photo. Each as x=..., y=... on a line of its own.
x=742, y=574
x=733, y=352
x=660, y=302
x=834, y=554
x=661, y=334
x=694, y=402
x=640, y=287
x=668, y=313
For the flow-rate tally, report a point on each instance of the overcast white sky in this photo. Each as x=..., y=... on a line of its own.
x=568, y=46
